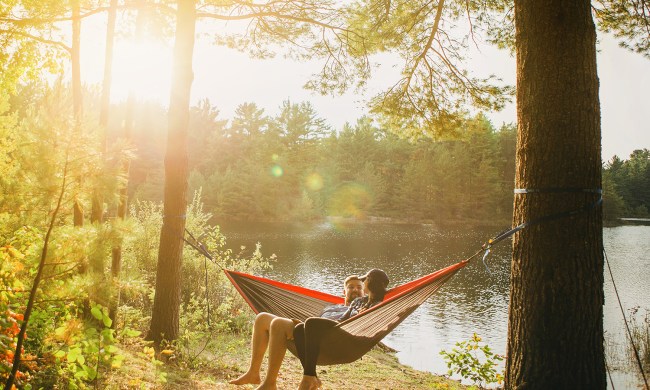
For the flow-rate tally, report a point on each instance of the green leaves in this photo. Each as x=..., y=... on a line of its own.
x=629, y=21
x=75, y=355
x=96, y=312
x=92, y=348
x=32, y=43
x=101, y=314
x=435, y=89
x=466, y=361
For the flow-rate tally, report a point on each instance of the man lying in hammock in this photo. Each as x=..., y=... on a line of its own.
x=274, y=332
x=308, y=335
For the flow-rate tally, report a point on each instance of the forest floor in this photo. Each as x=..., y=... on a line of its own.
x=214, y=367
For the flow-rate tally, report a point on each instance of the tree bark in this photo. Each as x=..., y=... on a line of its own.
x=165, y=315
x=555, y=331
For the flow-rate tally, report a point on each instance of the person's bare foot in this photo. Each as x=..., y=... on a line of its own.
x=309, y=383
x=247, y=378
x=267, y=386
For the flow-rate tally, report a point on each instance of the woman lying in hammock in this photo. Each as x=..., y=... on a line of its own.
x=307, y=336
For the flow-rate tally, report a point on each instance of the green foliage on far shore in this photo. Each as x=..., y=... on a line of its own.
x=293, y=166
x=626, y=186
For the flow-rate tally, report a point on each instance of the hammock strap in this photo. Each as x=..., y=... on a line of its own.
x=550, y=217
x=509, y=232
x=198, y=245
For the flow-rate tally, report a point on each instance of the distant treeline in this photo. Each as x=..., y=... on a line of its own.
x=294, y=166
x=626, y=185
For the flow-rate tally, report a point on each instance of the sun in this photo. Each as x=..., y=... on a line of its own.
x=143, y=67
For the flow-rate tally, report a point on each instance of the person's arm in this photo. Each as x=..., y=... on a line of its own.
x=353, y=309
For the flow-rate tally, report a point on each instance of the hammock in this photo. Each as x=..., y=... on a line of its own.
x=350, y=339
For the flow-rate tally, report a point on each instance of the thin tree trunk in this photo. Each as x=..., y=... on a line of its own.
x=97, y=212
x=76, y=92
x=122, y=208
x=165, y=315
x=9, y=384
x=555, y=331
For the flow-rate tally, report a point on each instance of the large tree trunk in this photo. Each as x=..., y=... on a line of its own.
x=164, y=319
x=555, y=332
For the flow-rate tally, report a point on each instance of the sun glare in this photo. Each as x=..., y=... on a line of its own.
x=142, y=67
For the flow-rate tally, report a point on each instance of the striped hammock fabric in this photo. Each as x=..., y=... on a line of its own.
x=350, y=339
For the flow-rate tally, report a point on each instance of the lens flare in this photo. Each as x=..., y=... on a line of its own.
x=351, y=200
x=277, y=171
x=314, y=182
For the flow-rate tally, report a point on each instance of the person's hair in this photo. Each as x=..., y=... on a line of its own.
x=349, y=279
x=377, y=288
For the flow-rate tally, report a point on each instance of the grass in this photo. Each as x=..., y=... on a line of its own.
x=227, y=357
x=640, y=330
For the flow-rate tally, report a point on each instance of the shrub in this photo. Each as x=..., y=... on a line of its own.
x=228, y=312
x=465, y=359
x=12, y=255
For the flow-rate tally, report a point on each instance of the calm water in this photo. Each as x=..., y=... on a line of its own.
x=475, y=300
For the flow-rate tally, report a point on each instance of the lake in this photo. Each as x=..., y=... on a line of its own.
x=320, y=256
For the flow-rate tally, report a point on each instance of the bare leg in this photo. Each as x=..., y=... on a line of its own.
x=281, y=330
x=259, y=342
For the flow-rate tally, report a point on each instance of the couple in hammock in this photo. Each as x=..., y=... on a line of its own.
x=275, y=333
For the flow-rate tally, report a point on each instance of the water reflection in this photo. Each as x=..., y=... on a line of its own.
x=475, y=300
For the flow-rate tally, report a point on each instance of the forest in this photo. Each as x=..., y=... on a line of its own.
x=96, y=289
x=295, y=167
x=252, y=167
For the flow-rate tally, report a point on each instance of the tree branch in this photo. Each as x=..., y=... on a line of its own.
x=30, y=22
x=427, y=46
x=273, y=14
x=38, y=39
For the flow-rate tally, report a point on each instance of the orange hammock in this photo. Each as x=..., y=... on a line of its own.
x=350, y=339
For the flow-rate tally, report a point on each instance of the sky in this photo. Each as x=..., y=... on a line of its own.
x=228, y=78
